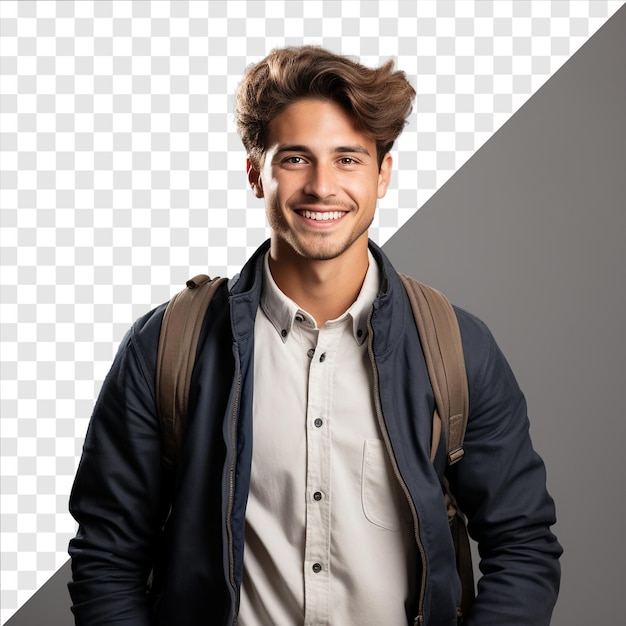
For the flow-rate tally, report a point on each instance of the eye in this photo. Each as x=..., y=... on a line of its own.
x=294, y=160
x=347, y=161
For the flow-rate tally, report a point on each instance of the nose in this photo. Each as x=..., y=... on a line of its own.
x=321, y=182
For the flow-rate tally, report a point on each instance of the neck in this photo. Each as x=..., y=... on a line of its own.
x=323, y=288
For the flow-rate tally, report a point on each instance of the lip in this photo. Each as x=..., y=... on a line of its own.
x=321, y=215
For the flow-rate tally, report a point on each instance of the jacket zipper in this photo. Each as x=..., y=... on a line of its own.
x=419, y=620
x=231, y=488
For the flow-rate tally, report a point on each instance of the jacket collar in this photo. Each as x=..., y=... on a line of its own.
x=388, y=310
x=283, y=313
x=391, y=309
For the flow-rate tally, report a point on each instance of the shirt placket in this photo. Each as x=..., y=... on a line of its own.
x=317, y=564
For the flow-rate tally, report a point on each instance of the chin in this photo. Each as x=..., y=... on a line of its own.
x=322, y=252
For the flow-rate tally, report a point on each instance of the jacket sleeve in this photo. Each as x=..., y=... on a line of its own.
x=117, y=497
x=500, y=484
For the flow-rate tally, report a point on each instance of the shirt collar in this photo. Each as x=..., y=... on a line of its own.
x=283, y=312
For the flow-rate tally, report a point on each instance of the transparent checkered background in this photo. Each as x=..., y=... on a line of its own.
x=121, y=174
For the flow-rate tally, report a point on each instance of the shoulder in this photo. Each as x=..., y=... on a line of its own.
x=475, y=334
x=143, y=335
x=489, y=375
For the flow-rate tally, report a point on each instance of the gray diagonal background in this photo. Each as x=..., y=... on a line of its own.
x=529, y=235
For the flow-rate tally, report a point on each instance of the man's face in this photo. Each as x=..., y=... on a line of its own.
x=320, y=180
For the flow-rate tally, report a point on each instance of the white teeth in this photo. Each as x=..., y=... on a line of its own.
x=322, y=215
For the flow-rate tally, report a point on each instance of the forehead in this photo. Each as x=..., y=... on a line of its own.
x=314, y=120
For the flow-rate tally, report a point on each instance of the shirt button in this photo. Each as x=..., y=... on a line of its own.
x=322, y=357
x=317, y=496
x=299, y=318
x=310, y=352
x=283, y=333
x=317, y=568
x=359, y=333
x=318, y=423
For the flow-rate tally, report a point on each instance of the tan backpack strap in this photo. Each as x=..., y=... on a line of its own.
x=176, y=355
x=440, y=336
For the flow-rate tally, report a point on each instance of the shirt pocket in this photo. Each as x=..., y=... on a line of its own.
x=382, y=498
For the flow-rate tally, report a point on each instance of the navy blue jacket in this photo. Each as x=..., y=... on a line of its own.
x=121, y=495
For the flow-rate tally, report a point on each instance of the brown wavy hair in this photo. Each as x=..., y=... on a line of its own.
x=379, y=100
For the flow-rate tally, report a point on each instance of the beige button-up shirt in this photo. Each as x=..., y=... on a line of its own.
x=329, y=537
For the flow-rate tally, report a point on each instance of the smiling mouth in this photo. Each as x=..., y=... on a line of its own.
x=322, y=216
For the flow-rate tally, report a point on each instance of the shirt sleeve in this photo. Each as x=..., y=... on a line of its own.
x=117, y=496
x=500, y=484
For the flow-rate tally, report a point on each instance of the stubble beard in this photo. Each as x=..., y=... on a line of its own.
x=320, y=246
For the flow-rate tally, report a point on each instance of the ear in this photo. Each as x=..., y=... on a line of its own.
x=254, y=178
x=384, y=175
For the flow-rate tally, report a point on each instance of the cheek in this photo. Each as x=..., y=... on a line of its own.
x=276, y=186
x=367, y=192
x=286, y=192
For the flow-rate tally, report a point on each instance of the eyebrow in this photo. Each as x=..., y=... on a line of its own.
x=356, y=149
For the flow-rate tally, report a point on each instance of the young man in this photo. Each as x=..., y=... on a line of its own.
x=335, y=514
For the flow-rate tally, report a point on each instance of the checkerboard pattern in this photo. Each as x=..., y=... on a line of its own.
x=121, y=174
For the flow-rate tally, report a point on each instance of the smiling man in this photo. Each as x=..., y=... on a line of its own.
x=320, y=178
x=304, y=492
